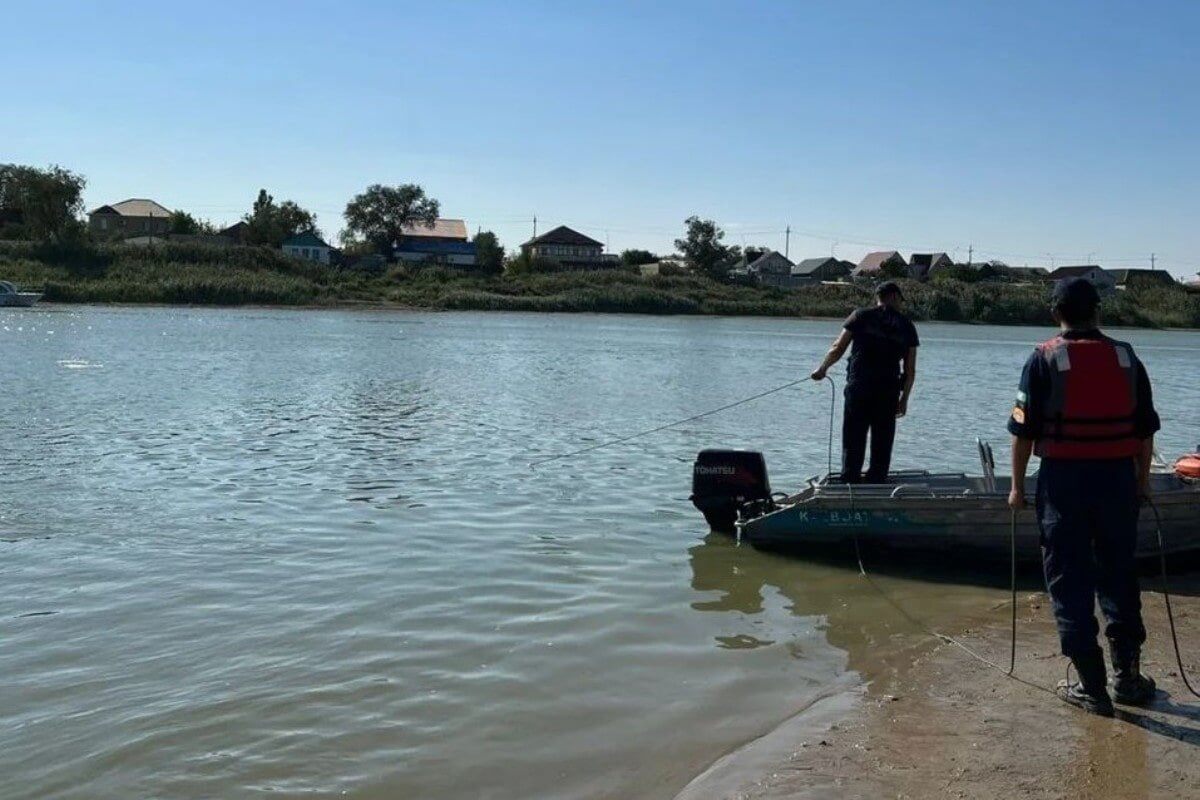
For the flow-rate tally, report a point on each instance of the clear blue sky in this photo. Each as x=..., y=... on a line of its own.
x=1031, y=130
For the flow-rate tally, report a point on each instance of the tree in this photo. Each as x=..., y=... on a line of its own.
x=703, y=249
x=47, y=202
x=184, y=223
x=635, y=258
x=380, y=214
x=489, y=255
x=752, y=253
x=894, y=269
x=272, y=224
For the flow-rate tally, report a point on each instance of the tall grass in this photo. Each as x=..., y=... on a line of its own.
x=203, y=274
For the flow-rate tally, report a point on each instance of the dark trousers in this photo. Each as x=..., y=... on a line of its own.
x=1088, y=514
x=874, y=411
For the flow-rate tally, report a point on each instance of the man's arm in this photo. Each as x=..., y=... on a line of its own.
x=1022, y=449
x=910, y=375
x=833, y=356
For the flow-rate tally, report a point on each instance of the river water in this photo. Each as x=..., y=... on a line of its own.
x=303, y=552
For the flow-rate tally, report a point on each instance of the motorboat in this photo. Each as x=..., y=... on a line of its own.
x=10, y=296
x=951, y=514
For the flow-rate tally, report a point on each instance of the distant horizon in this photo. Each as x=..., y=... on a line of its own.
x=1040, y=136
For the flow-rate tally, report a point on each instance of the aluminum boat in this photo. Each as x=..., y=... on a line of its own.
x=951, y=514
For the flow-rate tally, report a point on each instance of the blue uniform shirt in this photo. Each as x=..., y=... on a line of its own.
x=1027, y=414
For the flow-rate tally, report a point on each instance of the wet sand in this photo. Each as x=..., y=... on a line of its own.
x=933, y=722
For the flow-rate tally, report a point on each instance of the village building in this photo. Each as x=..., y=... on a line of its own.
x=815, y=270
x=133, y=217
x=923, y=266
x=308, y=246
x=873, y=264
x=1143, y=277
x=444, y=242
x=771, y=268
x=1102, y=279
x=570, y=248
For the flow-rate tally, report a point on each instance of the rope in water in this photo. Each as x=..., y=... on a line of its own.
x=919, y=624
x=640, y=434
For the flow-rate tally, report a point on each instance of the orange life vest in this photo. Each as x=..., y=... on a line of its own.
x=1093, y=398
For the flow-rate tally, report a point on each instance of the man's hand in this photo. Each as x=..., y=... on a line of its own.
x=818, y=374
x=1016, y=499
x=902, y=408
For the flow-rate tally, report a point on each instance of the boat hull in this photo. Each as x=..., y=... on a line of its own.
x=969, y=524
x=19, y=299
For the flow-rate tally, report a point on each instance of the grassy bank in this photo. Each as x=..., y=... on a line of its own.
x=202, y=275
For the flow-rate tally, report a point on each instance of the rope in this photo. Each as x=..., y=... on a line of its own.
x=693, y=418
x=920, y=625
x=1162, y=562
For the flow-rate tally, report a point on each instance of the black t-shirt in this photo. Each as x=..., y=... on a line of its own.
x=881, y=338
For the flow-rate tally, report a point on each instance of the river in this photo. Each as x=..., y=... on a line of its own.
x=303, y=553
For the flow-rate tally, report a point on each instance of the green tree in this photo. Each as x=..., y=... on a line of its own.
x=635, y=258
x=703, y=249
x=184, y=223
x=380, y=214
x=271, y=224
x=47, y=202
x=894, y=269
x=752, y=253
x=489, y=255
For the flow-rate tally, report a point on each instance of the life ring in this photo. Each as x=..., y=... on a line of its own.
x=1188, y=466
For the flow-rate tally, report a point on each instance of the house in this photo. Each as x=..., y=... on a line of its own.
x=1102, y=279
x=133, y=217
x=237, y=233
x=442, y=242
x=1143, y=277
x=922, y=266
x=815, y=270
x=570, y=249
x=1193, y=285
x=873, y=264
x=308, y=246
x=771, y=268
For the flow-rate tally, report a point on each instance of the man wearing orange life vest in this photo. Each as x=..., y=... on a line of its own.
x=1085, y=408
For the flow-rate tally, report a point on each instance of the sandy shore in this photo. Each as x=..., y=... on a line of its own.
x=936, y=723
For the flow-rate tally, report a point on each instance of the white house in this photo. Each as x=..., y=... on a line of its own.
x=1104, y=281
x=307, y=246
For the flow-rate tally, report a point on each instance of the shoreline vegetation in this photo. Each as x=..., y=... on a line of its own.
x=196, y=274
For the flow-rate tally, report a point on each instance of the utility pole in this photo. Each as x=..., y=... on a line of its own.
x=787, y=243
x=1152, y=261
x=535, y=226
x=970, y=254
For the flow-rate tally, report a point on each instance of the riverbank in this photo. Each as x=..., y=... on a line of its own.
x=937, y=723
x=185, y=274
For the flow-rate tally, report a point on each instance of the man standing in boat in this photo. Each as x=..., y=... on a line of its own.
x=879, y=380
x=1085, y=408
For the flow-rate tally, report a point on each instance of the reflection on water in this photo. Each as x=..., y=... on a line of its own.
x=304, y=553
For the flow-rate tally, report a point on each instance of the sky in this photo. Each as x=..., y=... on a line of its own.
x=1035, y=133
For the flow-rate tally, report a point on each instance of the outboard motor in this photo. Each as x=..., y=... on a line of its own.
x=723, y=480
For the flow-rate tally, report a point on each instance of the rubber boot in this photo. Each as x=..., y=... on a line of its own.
x=1130, y=686
x=1091, y=692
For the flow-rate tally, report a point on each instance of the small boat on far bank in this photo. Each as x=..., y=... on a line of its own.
x=946, y=515
x=11, y=297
